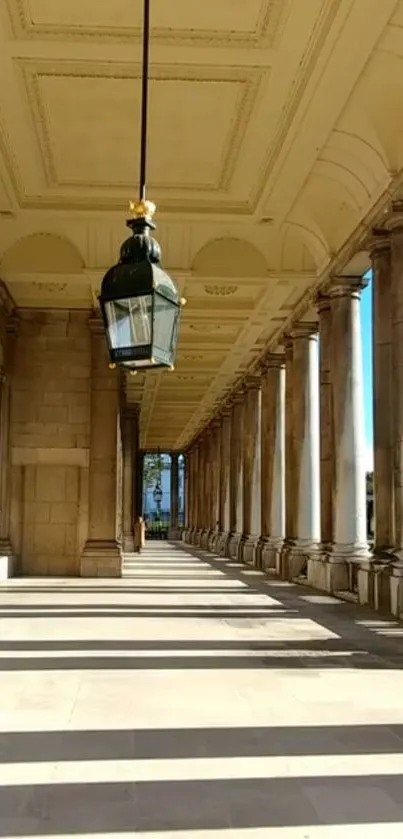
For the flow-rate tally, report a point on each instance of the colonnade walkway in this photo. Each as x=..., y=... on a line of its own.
x=197, y=698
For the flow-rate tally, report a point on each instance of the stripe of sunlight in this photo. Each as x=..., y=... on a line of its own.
x=392, y=830
x=200, y=769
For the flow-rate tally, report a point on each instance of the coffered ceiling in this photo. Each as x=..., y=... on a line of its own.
x=274, y=141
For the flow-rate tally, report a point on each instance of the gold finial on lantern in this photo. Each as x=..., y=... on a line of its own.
x=142, y=209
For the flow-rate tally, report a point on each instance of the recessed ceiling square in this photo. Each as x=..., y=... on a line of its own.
x=88, y=127
x=234, y=18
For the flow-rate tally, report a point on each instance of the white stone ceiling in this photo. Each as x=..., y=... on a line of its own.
x=275, y=140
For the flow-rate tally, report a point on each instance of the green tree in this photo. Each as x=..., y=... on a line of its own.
x=154, y=465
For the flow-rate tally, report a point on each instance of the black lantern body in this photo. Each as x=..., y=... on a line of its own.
x=140, y=303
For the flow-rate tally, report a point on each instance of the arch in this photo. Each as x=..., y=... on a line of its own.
x=229, y=257
x=298, y=253
x=41, y=253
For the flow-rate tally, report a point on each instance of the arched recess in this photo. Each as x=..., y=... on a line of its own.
x=328, y=209
x=229, y=257
x=41, y=253
x=379, y=104
x=300, y=249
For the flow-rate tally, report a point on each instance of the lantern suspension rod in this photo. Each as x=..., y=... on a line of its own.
x=144, y=99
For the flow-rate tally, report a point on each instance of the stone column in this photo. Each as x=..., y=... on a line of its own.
x=201, y=490
x=318, y=563
x=290, y=494
x=251, y=495
x=272, y=461
x=7, y=559
x=215, y=483
x=383, y=394
x=224, y=488
x=206, y=483
x=350, y=524
x=191, y=494
x=396, y=227
x=305, y=446
x=129, y=432
x=174, y=532
x=236, y=481
x=101, y=555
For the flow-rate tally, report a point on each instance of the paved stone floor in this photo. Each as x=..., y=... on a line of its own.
x=195, y=699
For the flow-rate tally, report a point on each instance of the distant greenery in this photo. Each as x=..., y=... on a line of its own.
x=153, y=467
x=370, y=483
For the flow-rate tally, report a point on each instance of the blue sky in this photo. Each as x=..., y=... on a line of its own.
x=366, y=332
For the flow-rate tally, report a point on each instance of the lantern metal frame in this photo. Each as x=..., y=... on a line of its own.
x=137, y=287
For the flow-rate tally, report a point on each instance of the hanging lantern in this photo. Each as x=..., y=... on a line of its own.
x=139, y=302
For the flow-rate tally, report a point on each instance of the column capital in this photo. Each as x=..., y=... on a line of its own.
x=271, y=361
x=379, y=241
x=322, y=302
x=394, y=221
x=238, y=397
x=304, y=330
x=347, y=286
x=253, y=382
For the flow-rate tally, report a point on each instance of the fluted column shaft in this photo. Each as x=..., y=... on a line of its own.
x=384, y=489
x=350, y=532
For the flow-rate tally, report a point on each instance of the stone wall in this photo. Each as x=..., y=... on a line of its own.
x=50, y=437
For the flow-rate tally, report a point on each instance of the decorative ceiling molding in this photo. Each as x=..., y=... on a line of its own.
x=247, y=80
x=220, y=290
x=263, y=35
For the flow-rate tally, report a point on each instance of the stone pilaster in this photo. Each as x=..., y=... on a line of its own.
x=7, y=559
x=129, y=433
x=305, y=446
x=272, y=461
x=236, y=479
x=224, y=484
x=251, y=450
x=174, y=531
x=101, y=555
x=350, y=528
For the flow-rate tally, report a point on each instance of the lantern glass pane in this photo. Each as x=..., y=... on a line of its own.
x=166, y=317
x=129, y=322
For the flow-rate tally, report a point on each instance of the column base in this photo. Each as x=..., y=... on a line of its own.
x=396, y=588
x=7, y=560
x=222, y=544
x=249, y=550
x=128, y=546
x=301, y=552
x=270, y=551
x=204, y=539
x=101, y=559
x=234, y=547
x=175, y=535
